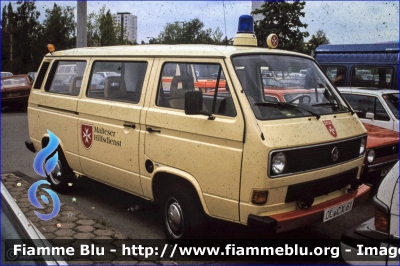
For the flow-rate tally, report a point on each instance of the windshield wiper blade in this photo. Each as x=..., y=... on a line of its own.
x=283, y=104
x=334, y=104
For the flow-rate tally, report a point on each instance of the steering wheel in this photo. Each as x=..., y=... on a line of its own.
x=301, y=99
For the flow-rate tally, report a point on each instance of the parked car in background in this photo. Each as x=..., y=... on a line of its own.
x=97, y=82
x=382, y=153
x=15, y=90
x=32, y=76
x=378, y=235
x=6, y=74
x=379, y=107
x=62, y=86
x=107, y=74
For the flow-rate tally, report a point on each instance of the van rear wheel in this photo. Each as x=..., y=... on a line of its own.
x=61, y=175
x=182, y=214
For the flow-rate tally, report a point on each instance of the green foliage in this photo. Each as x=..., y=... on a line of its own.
x=315, y=40
x=93, y=27
x=182, y=32
x=283, y=19
x=102, y=30
x=60, y=27
x=21, y=32
x=107, y=32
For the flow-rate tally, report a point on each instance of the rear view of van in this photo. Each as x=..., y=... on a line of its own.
x=362, y=65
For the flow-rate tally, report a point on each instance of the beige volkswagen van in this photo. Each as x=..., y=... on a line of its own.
x=189, y=128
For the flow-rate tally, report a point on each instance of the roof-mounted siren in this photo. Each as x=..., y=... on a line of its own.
x=245, y=35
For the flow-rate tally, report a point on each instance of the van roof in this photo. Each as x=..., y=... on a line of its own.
x=187, y=50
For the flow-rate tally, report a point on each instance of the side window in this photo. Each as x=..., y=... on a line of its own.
x=65, y=77
x=363, y=104
x=117, y=80
x=337, y=74
x=380, y=112
x=178, y=78
x=370, y=76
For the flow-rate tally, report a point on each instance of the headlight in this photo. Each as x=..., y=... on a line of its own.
x=362, y=145
x=278, y=163
x=371, y=156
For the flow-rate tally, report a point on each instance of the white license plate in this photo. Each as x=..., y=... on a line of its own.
x=337, y=210
x=14, y=94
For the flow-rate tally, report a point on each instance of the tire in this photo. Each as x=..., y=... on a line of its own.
x=61, y=175
x=182, y=215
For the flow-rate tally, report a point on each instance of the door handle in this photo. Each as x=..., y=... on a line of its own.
x=130, y=125
x=150, y=129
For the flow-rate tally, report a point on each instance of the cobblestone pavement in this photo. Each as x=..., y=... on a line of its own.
x=69, y=224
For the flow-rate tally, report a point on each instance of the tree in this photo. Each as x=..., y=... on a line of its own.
x=107, y=31
x=103, y=30
x=283, y=19
x=60, y=27
x=316, y=40
x=189, y=32
x=21, y=33
x=93, y=27
x=7, y=25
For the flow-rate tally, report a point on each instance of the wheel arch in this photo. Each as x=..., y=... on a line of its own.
x=46, y=139
x=162, y=179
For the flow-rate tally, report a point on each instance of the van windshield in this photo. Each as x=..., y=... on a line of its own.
x=281, y=86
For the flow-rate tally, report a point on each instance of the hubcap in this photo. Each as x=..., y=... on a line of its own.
x=174, y=217
x=56, y=174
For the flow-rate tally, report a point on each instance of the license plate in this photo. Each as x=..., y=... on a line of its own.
x=14, y=94
x=337, y=210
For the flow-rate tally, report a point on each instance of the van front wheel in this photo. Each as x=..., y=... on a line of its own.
x=182, y=214
x=61, y=175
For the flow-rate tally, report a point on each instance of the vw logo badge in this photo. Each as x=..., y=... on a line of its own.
x=335, y=154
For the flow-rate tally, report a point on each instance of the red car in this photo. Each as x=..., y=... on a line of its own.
x=382, y=153
x=15, y=90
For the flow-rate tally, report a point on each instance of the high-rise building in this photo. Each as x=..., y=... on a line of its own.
x=129, y=24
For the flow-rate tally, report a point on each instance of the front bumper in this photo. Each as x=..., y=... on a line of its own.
x=29, y=145
x=301, y=217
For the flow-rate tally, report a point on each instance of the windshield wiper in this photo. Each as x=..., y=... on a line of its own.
x=333, y=104
x=288, y=105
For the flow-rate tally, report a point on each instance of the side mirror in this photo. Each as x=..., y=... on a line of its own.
x=369, y=115
x=193, y=102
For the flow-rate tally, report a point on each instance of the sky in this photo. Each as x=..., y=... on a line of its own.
x=344, y=22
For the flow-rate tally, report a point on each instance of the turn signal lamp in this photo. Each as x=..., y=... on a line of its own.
x=381, y=221
x=245, y=35
x=259, y=197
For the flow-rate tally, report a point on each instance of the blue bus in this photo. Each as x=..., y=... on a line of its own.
x=361, y=65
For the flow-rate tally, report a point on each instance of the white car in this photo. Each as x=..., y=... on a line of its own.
x=377, y=107
x=376, y=241
x=107, y=74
